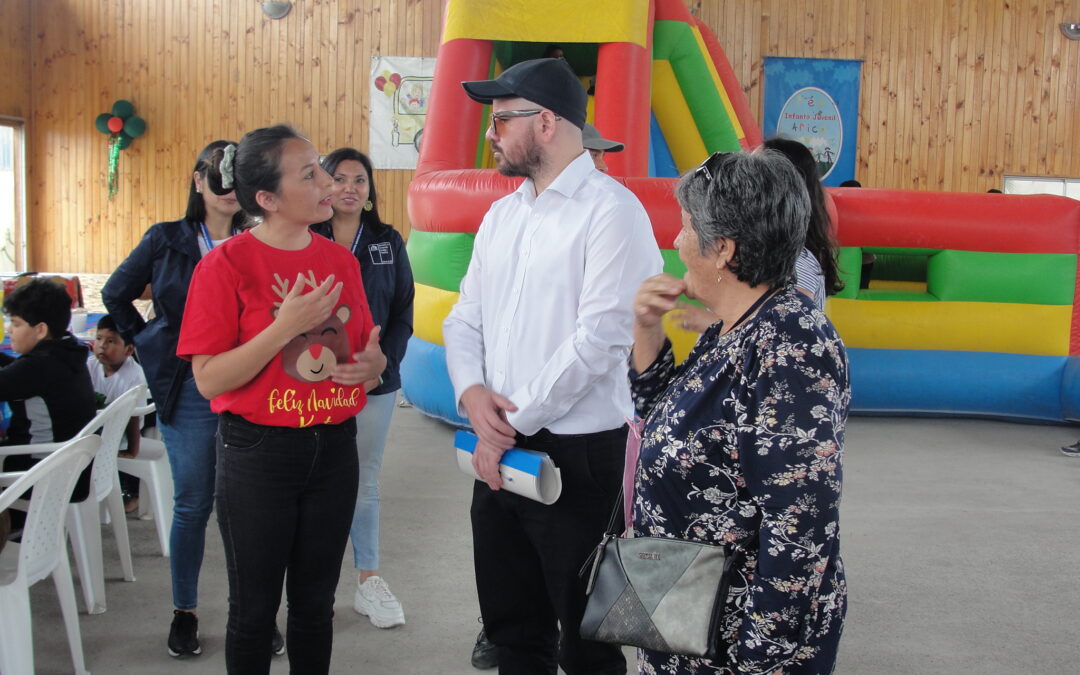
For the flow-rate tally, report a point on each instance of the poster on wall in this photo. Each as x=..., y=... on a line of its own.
x=815, y=102
x=400, y=89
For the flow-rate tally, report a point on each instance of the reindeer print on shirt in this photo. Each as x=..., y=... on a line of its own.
x=312, y=355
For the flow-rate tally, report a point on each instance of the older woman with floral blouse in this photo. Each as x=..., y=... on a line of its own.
x=743, y=441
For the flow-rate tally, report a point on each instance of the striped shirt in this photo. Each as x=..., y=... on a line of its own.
x=809, y=277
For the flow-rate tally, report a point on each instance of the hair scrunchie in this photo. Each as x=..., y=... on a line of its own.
x=226, y=166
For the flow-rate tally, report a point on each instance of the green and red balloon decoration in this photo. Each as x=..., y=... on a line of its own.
x=122, y=126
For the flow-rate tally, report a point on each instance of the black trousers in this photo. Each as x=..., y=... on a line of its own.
x=285, y=500
x=528, y=556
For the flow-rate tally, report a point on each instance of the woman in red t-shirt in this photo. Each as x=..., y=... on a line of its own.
x=281, y=341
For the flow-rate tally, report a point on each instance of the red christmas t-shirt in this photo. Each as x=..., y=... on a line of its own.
x=234, y=295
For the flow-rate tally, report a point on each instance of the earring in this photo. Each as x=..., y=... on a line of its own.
x=368, y=205
x=719, y=278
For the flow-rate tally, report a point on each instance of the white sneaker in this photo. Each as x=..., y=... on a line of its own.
x=374, y=600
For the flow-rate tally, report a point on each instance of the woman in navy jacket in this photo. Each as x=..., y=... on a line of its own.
x=388, y=284
x=165, y=259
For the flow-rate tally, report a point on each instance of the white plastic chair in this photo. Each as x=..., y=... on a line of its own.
x=40, y=553
x=156, y=490
x=84, y=518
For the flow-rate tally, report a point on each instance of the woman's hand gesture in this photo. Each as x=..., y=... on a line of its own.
x=300, y=312
x=657, y=296
x=367, y=365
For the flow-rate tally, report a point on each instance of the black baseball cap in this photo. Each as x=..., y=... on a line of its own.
x=549, y=83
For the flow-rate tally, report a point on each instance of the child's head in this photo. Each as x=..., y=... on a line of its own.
x=110, y=347
x=39, y=310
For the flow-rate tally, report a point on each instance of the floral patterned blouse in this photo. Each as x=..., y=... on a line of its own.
x=743, y=446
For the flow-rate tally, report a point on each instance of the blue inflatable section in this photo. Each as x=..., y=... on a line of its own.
x=983, y=384
x=1070, y=389
x=426, y=381
x=661, y=163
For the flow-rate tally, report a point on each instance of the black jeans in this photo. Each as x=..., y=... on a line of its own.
x=285, y=500
x=528, y=556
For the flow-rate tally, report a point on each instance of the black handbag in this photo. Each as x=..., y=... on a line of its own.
x=667, y=595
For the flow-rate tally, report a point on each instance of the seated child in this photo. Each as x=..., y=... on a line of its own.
x=112, y=372
x=47, y=386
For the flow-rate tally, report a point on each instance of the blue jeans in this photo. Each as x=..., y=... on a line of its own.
x=284, y=501
x=372, y=425
x=189, y=442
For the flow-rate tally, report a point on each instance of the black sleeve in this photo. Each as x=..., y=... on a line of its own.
x=395, y=335
x=21, y=379
x=128, y=282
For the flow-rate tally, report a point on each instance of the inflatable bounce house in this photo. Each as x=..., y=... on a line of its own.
x=971, y=307
x=971, y=304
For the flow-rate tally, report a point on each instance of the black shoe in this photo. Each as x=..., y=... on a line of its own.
x=485, y=655
x=277, y=643
x=184, y=634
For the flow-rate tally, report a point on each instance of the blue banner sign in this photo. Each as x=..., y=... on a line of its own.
x=815, y=102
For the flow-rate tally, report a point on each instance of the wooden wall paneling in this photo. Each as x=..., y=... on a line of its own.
x=1057, y=106
x=917, y=38
x=1070, y=61
x=1036, y=146
x=1006, y=109
x=891, y=68
x=981, y=135
x=1024, y=103
x=15, y=93
x=955, y=93
x=942, y=112
x=949, y=78
x=901, y=97
x=871, y=96
x=1049, y=133
x=968, y=33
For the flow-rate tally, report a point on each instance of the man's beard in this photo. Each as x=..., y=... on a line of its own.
x=529, y=164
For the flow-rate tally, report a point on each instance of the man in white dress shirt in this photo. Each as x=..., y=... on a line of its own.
x=536, y=348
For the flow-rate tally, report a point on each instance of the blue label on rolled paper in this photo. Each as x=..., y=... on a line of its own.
x=525, y=461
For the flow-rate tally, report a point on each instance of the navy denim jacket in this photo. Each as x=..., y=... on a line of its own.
x=165, y=259
x=388, y=284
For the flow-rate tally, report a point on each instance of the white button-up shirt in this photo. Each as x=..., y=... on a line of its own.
x=544, y=316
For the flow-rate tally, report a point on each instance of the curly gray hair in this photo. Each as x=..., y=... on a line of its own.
x=757, y=200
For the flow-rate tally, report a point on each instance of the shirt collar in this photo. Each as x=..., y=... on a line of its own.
x=567, y=182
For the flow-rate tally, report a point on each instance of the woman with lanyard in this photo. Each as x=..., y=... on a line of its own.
x=388, y=283
x=165, y=259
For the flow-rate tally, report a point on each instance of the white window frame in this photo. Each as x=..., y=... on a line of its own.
x=18, y=159
x=1041, y=185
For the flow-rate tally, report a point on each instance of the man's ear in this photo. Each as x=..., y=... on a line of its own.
x=129, y=349
x=41, y=330
x=548, y=123
x=266, y=200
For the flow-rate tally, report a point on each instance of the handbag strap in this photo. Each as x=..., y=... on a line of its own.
x=610, y=530
x=590, y=564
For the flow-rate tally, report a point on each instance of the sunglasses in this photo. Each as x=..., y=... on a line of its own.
x=503, y=115
x=708, y=167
